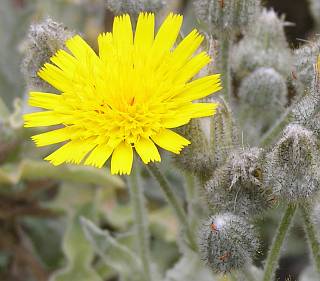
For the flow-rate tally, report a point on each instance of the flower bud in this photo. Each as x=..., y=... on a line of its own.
x=292, y=165
x=237, y=186
x=226, y=15
x=304, y=60
x=44, y=40
x=195, y=157
x=264, y=45
x=227, y=242
x=306, y=112
x=263, y=96
x=133, y=7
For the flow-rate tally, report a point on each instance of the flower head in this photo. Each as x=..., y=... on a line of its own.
x=129, y=96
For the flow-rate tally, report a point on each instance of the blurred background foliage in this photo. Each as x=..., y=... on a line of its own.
x=41, y=205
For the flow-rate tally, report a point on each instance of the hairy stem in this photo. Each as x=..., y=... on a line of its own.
x=190, y=192
x=283, y=120
x=275, y=130
x=312, y=236
x=275, y=251
x=141, y=224
x=175, y=203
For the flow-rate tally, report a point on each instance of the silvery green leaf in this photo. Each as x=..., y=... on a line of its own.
x=116, y=255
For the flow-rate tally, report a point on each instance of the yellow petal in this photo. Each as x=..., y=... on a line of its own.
x=55, y=77
x=65, y=61
x=170, y=140
x=44, y=100
x=168, y=33
x=192, y=67
x=147, y=150
x=200, y=88
x=52, y=137
x=122, y=32
x=44, y=118
x=122, y=159
x=99, y=155
x=186, y=48
x=144, y=34
x=72, y=152
x=176, y=121
x=105, y=42
x=80, y=49
x=197, y=110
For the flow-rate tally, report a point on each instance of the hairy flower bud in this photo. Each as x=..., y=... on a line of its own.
x=133, y=7
x=306, y=112
x=195, y=157
x=304, y=60
x=237, y=186
x=227, y=15
x=44, y=39
x=292, y=169
x=227, y=242
x=264, y=45
x=263, y=96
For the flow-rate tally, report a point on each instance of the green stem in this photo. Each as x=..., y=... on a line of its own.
x=225, y=67
x=275, y=130
x=190, y=192
x=175, y=203
x=275, y=251
x=284, y=119
x=312, y=236
x=141, y=224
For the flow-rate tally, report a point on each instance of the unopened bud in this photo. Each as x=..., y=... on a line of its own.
x=227, y=242
x=292, y=169
x=237, y=186
x=227, y=15
x=44, y=40
x=264, y=45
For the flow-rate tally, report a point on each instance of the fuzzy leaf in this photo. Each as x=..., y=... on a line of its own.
x=116, y=255
x=78, y=250
x=189, y=268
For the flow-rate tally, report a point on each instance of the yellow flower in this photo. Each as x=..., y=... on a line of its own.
x=127, y=97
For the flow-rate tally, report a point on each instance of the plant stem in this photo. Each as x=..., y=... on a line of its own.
x=174, y=202
x=190, y=192
x=312, y=235
x=275, y=251
x=141, y=224
x=274, y=131
x=284, y=119
x=225, y=66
